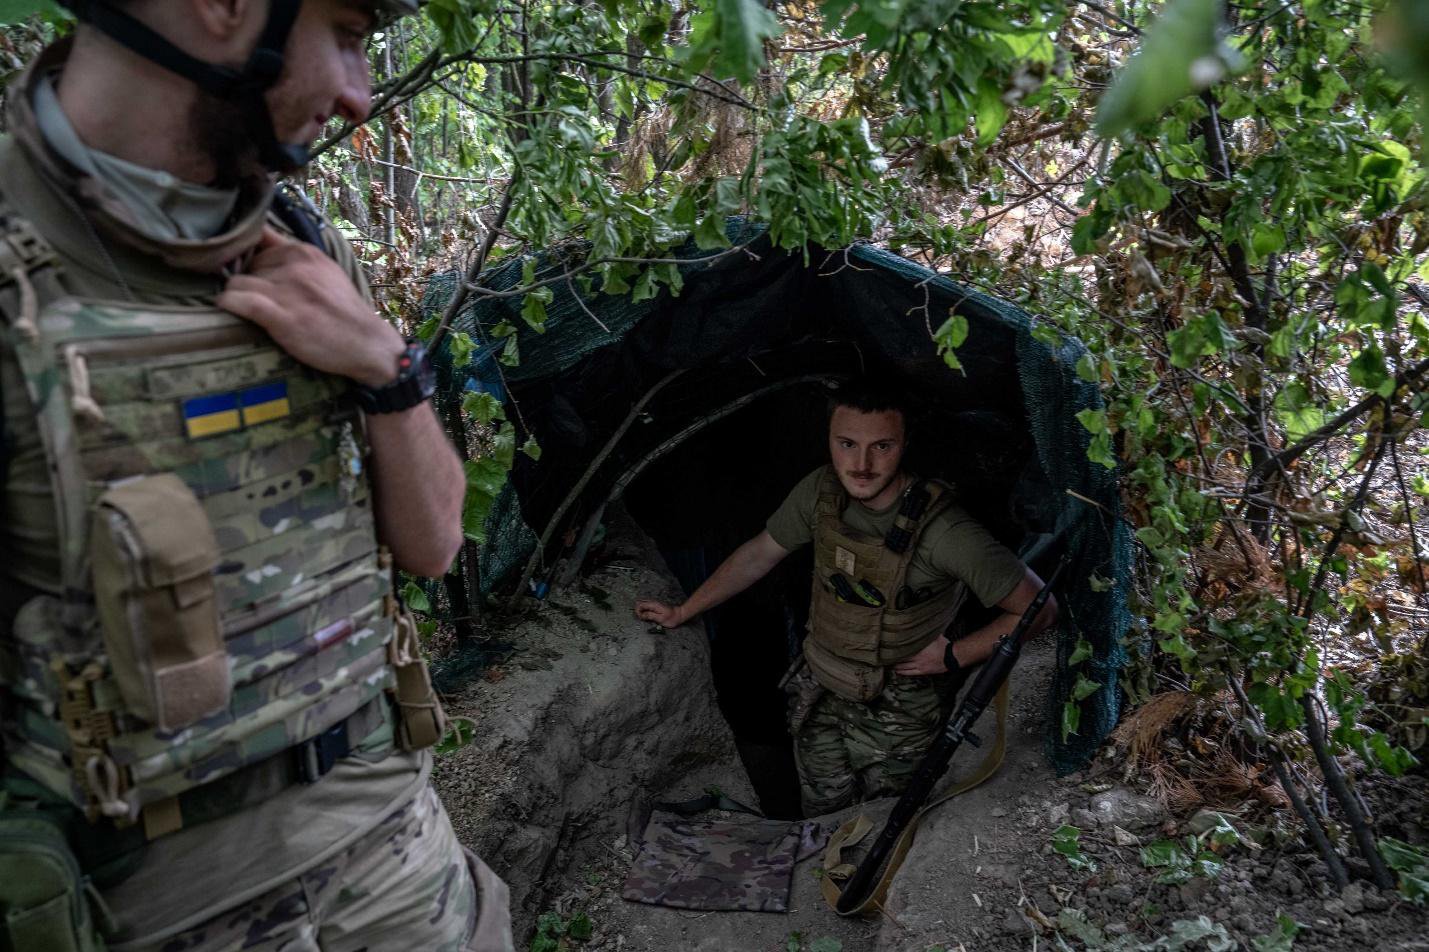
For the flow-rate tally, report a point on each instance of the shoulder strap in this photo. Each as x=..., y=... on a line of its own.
x=831, y=497
x=26, y=260
x=294, y=210
x=921, y=503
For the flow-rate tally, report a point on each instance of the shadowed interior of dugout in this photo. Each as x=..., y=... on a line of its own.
x=699, y=412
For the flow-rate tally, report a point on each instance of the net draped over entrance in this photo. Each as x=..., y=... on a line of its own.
x=1005, y=430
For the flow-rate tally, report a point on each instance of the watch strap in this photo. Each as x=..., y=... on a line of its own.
x=416, y=382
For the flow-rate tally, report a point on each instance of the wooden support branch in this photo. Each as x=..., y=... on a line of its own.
x=555, y=521
x=1316, y=830
x=1359, y=823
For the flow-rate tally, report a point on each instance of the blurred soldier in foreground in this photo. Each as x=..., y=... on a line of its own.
x=215, y=453
x=894, y=560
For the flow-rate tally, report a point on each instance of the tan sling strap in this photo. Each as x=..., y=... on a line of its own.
x=855, y=830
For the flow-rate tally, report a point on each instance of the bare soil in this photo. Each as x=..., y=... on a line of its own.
x=596, y=716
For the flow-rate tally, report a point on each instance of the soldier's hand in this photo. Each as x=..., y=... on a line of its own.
x=310, y=307
x=666, y=616
x=927, y=661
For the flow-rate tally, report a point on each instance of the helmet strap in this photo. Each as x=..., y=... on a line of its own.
x=245, y=87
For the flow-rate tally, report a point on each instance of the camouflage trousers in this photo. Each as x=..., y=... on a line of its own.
x=849, y=751
x=408, y=884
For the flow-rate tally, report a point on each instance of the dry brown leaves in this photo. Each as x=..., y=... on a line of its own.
x=1186, y=749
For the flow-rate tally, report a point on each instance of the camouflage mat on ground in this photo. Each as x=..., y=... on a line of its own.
x=721, y=863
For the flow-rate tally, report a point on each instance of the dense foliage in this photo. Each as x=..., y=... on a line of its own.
x=1226, y=202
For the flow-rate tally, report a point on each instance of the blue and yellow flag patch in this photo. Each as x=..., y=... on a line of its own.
x=225, y=412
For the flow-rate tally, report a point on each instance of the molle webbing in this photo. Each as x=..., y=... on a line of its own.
x=270, y=454
x=851, y=644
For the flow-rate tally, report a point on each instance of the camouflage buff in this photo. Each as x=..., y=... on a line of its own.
x=405, y=885
x=742, y=863
x=850, y=751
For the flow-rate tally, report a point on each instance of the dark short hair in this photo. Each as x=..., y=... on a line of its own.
x=869, y=394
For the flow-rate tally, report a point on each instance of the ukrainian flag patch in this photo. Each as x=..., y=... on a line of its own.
x=211, y=415
x=261, y=404
x=219, y=413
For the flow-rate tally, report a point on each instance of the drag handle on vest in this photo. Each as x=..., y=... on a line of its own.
x=989, y=680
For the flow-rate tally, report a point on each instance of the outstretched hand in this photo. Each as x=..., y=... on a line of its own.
x=310, y=307
x=666, y=616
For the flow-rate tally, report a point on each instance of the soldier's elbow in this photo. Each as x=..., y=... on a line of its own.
x=434, y=554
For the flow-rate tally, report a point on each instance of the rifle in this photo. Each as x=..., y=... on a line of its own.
x=989, y=681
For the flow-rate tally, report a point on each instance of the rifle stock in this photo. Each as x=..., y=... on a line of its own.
x=985, y=685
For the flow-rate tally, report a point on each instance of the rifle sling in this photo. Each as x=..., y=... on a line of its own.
x=859, y=827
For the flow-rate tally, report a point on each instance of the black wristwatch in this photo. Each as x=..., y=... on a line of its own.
x=950, y=660
x=416, y=381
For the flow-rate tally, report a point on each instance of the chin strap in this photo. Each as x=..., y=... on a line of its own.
x=244, y=87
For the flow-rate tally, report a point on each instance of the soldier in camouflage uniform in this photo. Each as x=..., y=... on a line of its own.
x=894, y=559
x=205, y=679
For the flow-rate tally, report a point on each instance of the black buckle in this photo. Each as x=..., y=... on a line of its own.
x=317, y=756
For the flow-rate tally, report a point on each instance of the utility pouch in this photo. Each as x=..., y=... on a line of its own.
x=44, y=898
x=153, y=554
x=421, y=721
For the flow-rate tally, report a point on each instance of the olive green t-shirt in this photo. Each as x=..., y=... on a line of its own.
x=953, y=547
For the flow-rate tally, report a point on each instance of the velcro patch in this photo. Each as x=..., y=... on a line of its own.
x=211, y=415
x=219, y=413
x=261, y=404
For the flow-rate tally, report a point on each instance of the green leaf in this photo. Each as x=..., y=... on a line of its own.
x=1081, y=652
x=1164, y=853
x=1186, y=932
x=580, y=928
x=1369, y=370
x=531, y=448
x=1099, y=451
x=1281, y=939
x=533, y=309
x=510, y=353
x=1066, y=840
x=481, y=407
x=1145, y=191
x=416, y=598
x=742, y=26
x=460, y=732
x=1093, y=421
x=710, y=234
x=461, y=346
x=991, y=113
x=949, y=337
x=1087, y=369
x=1084, y=688
x=1181, y=52
x=1074, y=923
x=14, y=11
x=1266, y=238
x=1071, y=718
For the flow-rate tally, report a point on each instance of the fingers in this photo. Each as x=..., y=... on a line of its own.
x=276, y=249
x=251, y=303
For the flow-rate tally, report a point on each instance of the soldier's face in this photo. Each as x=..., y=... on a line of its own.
x=867, y=451
x=325, y=70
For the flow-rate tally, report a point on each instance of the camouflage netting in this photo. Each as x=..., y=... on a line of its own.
x=1005, y=432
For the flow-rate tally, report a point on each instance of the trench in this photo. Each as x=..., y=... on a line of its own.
x=701, y=502
x=711, y=493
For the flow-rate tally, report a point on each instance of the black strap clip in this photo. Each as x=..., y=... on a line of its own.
x=317, y=756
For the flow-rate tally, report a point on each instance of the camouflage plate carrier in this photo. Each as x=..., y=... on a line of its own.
x=226, y=621
x=852, y=642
